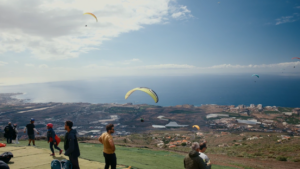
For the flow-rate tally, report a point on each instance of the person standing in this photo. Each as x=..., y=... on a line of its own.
x=193, y=159
x=109, y=147
x=16, y=133
x=9, y=132
x=53, y=142
x=204, y=156
x=71, y=145
x=30, y=131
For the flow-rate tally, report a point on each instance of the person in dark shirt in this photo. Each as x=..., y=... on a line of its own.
x=30, y=131
x=71, y=145
x=9, y=132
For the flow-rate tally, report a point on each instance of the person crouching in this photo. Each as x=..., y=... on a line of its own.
x=52, y=140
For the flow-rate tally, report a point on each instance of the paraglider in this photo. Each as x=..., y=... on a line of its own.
x=256, y=76
x=146, y=90
x=196, y=126
x=142, y=120
x=88, y=13
x=85, y=25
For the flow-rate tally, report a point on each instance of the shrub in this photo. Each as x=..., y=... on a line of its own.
x=296, y=160
x=281, y=158
x=245, y=138
x=257, y=154
x=183, y=144
x=234, y=140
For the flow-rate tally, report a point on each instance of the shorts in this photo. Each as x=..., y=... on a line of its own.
x=31, y=137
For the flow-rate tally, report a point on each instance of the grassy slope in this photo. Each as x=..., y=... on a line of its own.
x=136, y=157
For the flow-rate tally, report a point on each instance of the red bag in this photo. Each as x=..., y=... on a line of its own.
x=2, y=145
x=56, y=138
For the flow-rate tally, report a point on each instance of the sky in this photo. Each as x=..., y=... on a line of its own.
x=51, y=40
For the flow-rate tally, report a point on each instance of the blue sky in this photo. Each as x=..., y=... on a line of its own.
x=47, y=40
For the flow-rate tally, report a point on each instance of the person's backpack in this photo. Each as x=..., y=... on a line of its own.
x=66, y=164
x=6, y=157
x=55, y=164
x=6, y=131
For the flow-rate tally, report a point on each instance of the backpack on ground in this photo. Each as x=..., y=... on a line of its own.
x=63, y=164
x=66, y=164
x=6, y=157
x=55, y=164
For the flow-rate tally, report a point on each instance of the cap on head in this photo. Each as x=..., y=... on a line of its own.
x=50, y=125
x=32, y=119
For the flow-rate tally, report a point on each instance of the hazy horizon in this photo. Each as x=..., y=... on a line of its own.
x=196, y=90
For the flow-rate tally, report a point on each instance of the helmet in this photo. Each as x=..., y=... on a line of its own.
x=50, y=125
x=32, y=119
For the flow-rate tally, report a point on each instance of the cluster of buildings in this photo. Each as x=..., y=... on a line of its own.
x=224, y=122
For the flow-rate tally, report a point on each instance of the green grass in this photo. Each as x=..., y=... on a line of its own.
x=135, y=157
x=181, y=112
x=285, y=109
x=292, y=120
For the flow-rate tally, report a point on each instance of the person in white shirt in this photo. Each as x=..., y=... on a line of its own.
x=16, y=130
x=204, y=156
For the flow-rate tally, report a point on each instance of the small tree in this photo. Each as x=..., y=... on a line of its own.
x=183, y=144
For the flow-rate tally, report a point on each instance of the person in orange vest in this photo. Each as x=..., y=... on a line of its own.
x=52, y=140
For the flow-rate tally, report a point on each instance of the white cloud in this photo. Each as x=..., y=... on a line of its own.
x=38, y=75
x=43, y=66
x=287, y=19
x=298, y=7
x=277, y=65
x=181, y=13
x=167, y=66
x=55, y=29
x=3, y=63
x=126, y=62
x=29, y=65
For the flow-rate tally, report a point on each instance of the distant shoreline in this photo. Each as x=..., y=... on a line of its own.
x=14, y=96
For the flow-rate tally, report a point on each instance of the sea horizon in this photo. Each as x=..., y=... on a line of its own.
x=271, y=90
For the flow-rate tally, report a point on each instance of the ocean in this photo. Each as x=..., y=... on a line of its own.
x=268, y=90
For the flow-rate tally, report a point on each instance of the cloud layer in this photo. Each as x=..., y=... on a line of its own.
x=287, y=19
x=55, y=29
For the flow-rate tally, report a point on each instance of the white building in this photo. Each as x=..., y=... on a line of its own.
x=259, y=106
x=252, y=106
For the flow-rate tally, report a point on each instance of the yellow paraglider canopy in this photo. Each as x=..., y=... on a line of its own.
x=196, y=126
x=144, y=89
x=88, y=13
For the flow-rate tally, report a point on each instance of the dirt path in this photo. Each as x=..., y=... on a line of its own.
x=36, y=158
